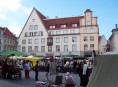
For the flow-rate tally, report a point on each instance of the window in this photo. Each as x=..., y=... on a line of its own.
x=65, y=47
x=49, y=48
x=23, y=41
x=74, y=47
x=52, y=32
x=58, y=40
x=23, y=49
x=35, y=27
x=33, y=20
x=58, y=32
x=74, y=25
x=91, y=38
x=57, y=48
x=74, y=39
x=85, y=47
x=65, y=31
x=36, y=34
x=42, y=40
x=42, y=48
x=91, y=47
x=72, y=31
x=88, y=23
x=52, y=26
x=36, y=49
x=65, y=39
x=40, y=33
x=91, y=30
x=26, y=34
x=85, y=38
x=84, y=30
x=29, y=48
x=30, y=33
x=63, y=26
x=36, y=41
x=31, y=27
x=29, y=41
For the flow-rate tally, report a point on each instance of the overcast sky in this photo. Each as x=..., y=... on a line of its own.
x=14, y=13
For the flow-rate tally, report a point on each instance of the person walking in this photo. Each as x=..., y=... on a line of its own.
x=27, y=69
x=36, y=69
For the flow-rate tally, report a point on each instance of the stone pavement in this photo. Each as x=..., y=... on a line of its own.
x=31, y=82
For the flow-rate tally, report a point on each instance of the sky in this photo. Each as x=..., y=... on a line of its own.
x=14, y=13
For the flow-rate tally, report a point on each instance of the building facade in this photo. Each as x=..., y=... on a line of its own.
x=73, y=35
x=8, y=40
x=102, y=44
x=114, y=40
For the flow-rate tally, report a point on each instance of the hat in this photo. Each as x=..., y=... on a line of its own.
x=68, y=73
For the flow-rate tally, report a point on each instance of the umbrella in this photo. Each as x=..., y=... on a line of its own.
x=12, y=53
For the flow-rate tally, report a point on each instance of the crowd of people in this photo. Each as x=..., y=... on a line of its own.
x=81, y=67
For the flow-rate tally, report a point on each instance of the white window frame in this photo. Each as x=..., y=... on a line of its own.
x=36, y=41
x=29, y=48
x=65, y=39
x=42, y=40
x=72, y=31
x=84, y=30
x=85, y=38
x=65, y=31
x=23, y=41
x=74, y=39
x=88, y=22
x=65, y=48
x=91, y=38
x=30, y=27
x=74, y=47
x=91, y=47
x=63, y=26
x=29, y=41
x=23, y=49
x=57, y=48
x=58, y=40
x=74, y=25
x=85, y=47
x=35, y=27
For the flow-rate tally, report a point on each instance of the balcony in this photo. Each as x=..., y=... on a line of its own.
x=50, y=41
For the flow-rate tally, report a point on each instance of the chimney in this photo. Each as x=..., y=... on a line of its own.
x=116, y=26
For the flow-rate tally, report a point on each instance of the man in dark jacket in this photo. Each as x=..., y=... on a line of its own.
x=36, y=69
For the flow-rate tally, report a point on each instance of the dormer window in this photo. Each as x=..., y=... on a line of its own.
x=52, y=26
x=74, y=25
x=63, y=26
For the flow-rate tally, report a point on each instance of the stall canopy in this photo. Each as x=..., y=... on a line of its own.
x=105, y=71
x=13, y=53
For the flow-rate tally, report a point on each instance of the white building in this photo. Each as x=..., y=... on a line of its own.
x=59, y=36
x=102, y=44
x=114, y=40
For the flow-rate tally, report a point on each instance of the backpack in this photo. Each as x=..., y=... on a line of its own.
x=69, y=80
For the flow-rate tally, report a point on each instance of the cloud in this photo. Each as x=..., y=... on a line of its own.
x=15, y=28
x=12, y=6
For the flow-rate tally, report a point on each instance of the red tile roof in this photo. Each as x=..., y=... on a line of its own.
x=8, y=33
x=68, y=21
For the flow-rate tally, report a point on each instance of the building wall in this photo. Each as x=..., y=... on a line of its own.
x=114, y=42
x=102, y=44
x=92, y=24
x=33, y=20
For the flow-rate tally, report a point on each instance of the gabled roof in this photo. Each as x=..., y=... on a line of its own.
x=68, y=21
x=6, y=32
